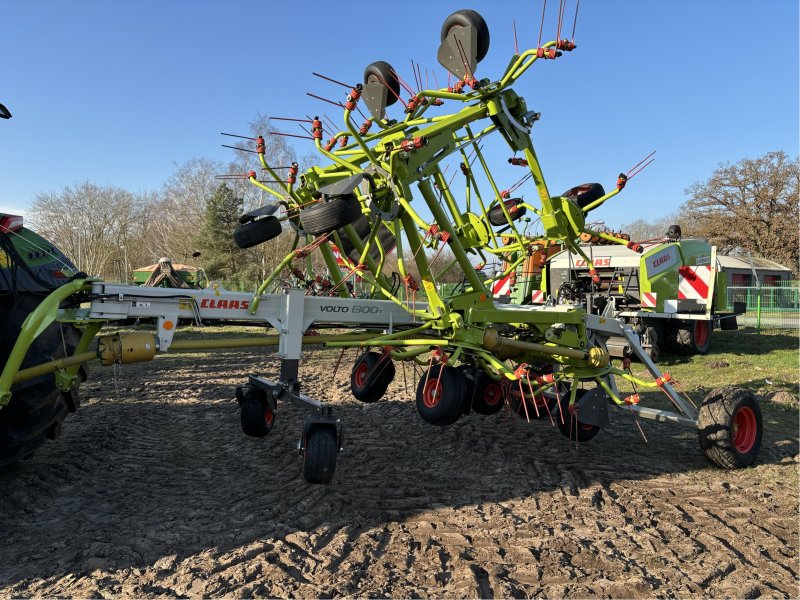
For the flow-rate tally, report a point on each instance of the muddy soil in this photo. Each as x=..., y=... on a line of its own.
x=154, y=491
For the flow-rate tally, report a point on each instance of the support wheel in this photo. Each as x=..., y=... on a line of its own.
x=257, y=232
x=570, y=427
x=730, y=427
x=372, y=373
x=257, y=417
x=469, y=18
x=585, y=194
x=319, y=454
x=497, y=217
x=440, y=395
x=693, y=337
x=487, y=395
x=336, y=212
x=382, y=72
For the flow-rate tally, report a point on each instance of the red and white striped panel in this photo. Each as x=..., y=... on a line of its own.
x=649, y=299
x=693, y=282
x=502, y=287
x=537, y=297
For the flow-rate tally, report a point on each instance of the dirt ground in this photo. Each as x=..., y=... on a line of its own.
x=153, y=490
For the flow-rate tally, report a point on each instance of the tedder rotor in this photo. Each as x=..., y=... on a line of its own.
x=385, y=190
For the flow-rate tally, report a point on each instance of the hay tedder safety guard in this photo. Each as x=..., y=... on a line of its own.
x=386, y=190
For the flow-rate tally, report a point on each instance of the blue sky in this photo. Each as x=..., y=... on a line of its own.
x=119, y=93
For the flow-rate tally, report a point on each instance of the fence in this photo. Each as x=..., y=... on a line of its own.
x=768, y=307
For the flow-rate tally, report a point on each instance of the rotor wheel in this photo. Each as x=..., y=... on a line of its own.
x=320, y=450
x=363, y=227
x=730, y=427
x=568, y=423
x=440, y=395
x=468, y=18
x=371, y=375
x=257, y=232
x=324, y=217
x=487, y=395
x=382, y=72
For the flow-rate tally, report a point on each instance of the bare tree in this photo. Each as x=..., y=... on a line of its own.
x=94, y=225
x=752, y=204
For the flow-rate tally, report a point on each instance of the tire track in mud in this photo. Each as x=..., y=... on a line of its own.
x=157, y=492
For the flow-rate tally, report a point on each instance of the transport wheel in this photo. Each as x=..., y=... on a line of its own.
x=487, y=395
x=497, y=217
x=440, y=395
x=693, y=337
x=319, y=454
x=256, y=416
x=37, y=408
x=372, y=373
x=585, y=194
x=382, y=72
x=466, y=18
x=571, y=428
x=729, y=427
x=257, y=232
x=337, y=212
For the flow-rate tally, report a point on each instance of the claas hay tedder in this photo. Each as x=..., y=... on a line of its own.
x=384, y=190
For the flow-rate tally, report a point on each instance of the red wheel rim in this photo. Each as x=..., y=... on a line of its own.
x=745, y=429
x=700, y=333
x=491, y=394
x=432, y=393
x=360, y=376
x=269, y=416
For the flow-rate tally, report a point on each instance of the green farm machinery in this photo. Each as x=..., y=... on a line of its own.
x=384, y=190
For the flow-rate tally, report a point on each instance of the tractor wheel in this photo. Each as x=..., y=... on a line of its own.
x=487, y=395
x=729, y=427
x=466, y=18
x=372, y=373
x=383, y=73
x=570, y=427
x=257, y=232
x=37, y=408
x=440, y=395
x=257, y=417
x=337, y=212
x=585, y=194
x=497, y=217
x=319, y=454
x=693, y=337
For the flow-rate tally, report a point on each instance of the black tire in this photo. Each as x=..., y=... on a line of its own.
x=729, y=427
x=465, y=18
x=382, y=72
x=257, y=232
x=363, y=227
x=693, y=337
x=319, y=454
x=585, y=194
x=257, y=418
x=440, y=395
x=651, y=342
x=569, y=426
x=337, y=212
x=487, y=395
x=37, y=409
x=371, y=375
x=497, y=217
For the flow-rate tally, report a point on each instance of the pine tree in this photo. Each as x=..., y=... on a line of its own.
x=221, y=255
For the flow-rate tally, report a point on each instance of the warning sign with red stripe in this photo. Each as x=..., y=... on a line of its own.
x=693, y=283
x=649, y=299
x=502, y=287
x=537, y=297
